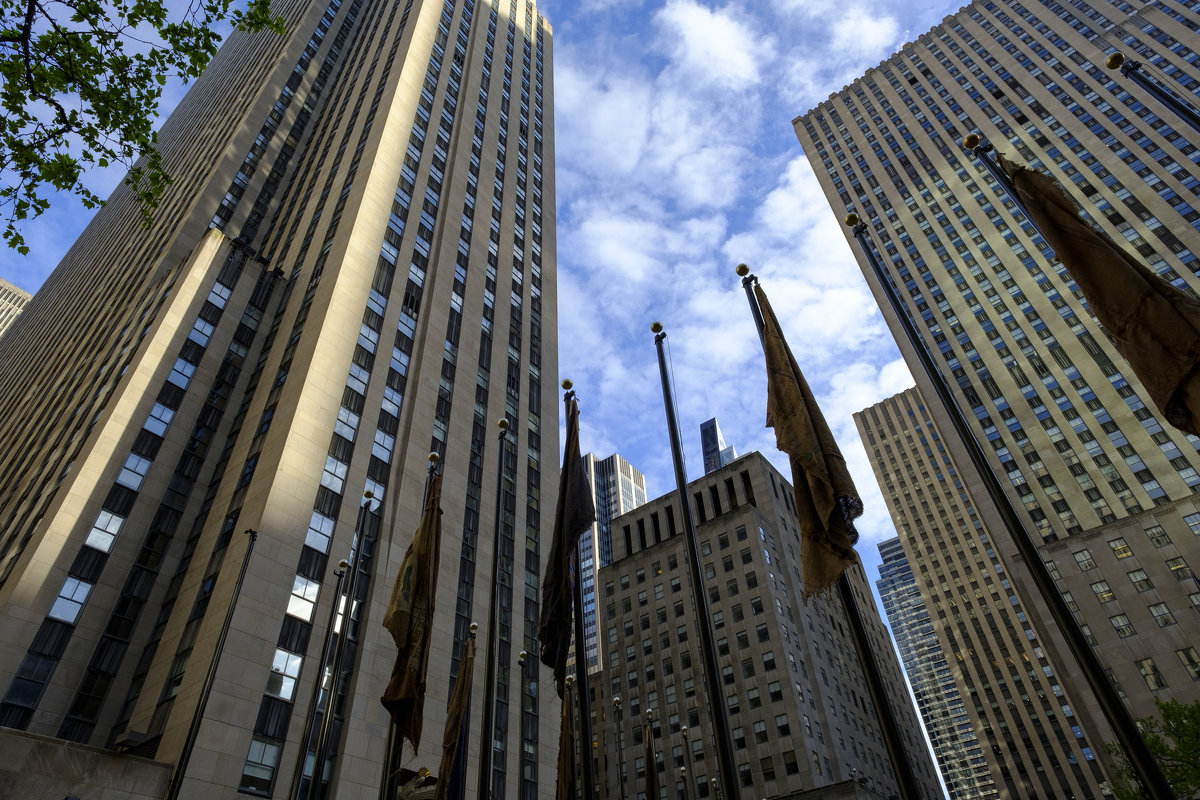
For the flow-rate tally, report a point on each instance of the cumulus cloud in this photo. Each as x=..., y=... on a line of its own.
x=710, y=44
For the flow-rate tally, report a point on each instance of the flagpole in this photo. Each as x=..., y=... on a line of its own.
x=487, y=734
x=687, y=754
x=211, y=676
x=726, y=765
x=1115, y=712
x=315, y=699
x=389, y=785
x=888, y=725
x=325, y=735
x=1132, y=70
x=982, y=149
x=620, y=748
x=581, y=677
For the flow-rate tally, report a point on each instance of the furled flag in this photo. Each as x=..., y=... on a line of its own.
x=651, y=762
x=826, y=500
x=409, y=618
x=456, y=713
x=575, y=512
x=1156, y=325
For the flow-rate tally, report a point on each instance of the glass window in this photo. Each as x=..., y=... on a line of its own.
x=1158, y=537
x=70, y=600
x=259, y=772
x=1103, y=593
x=1120, y=547
x=1084, y=559
x=104, y=531
x=304, y=598
x=1140, y=579
x=1150, y=673
x=284, y=671
x=1162, y=615
x=1179, y=568
x=1191, y=661
x=1121, y=625
x=134, y=471
x=1193, y=522
x=320, y=531
x=158, y=420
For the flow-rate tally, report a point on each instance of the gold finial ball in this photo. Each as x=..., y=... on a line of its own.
x=474, y=628
x=742, y=270
x=852, y=219
x=656, y=327
x=570, y=680
x=368, y=494
x=971, y=141
x=1115, y=61
x=566, y=384
x=502, y=423
x=343, y=564
x=423, y=772
x=434, y=458
x=522, y=656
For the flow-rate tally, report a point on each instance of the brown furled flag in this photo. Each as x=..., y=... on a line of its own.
x=826, y=500
x=409, y=618
x=456, y=713
x=565, y=784
x=651, y=785
x=1155, y=325
x=575, y=512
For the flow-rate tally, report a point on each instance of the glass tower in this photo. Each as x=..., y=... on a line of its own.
x=320, y=303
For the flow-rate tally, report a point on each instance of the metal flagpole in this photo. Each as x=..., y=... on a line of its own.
x=585, y=716
x=487, y=734
x=889, y=727
x=687, y=753
x=210, y=677
x=314, y=701
x=620, y=748
x=712, y=669
x=1115, y=712
x=1132, y=70
x=325, y=736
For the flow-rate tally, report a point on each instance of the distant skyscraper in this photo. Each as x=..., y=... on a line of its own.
x=320, y=303
x=716, y=454
x=12, y=302
x=617, y=487
x=799, y=713
x=956, y=746
x=1106, y=487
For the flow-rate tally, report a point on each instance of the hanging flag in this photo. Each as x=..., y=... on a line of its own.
x=564, y=786
x=575, y=512
x=826, y=500
x=651, y=762
x=1155, y=325
x=409, y=619
x=452, y=736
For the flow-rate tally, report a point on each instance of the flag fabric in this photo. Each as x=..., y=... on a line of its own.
x=564, y=786
x=826, y=500
x=575, y=512
x=1155, y=325
x=456, y=713
x=409, y=619
x=651, y=785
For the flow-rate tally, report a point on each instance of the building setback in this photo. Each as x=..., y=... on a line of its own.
x=13, y=300
x=617, y=487
x=798, y=708
x=1106, y=487
x=956, y=745
x=354, y=267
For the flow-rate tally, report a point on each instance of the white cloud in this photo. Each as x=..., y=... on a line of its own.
x=712, y=45
x=857, y=32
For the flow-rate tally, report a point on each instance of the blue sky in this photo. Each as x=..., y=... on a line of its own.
x=675, y=161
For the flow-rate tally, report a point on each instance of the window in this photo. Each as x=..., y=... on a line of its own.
x=1162, y=615
x=1158, y=537
x=158, y=420
x=134, y=471
x=1191, y=661
x=1193, y=522
x=1179, y=568
x=284, y=671
x=1084, y=559
x=739, y=738
x=1103, y=593
x=70, y=600
x=320, y=531
x=304, y=598
x=104, y=531
x=764, y=635
x=781, y=724
x=259, y=773
x=775, y=690
x=1120, y=547
x=760, y=731
x=768, y=768
x=753, y=698
x=334, y=476
x=1140, y=579
x=1150, y=674
x=1121, y=625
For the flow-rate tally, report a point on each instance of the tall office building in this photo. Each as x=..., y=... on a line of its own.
x=617, y=487
x=798, y=707
x=13, y=300
x=712, y=444
x=320, y=303
x=1104, y=485
x=956, y=745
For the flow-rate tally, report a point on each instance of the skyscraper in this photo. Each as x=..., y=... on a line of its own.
x=12, y=301
x=956, y=745
x=1105, y=486
x=320, y=303
x=617, y=487
x=800, y=716
x=712, y=444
